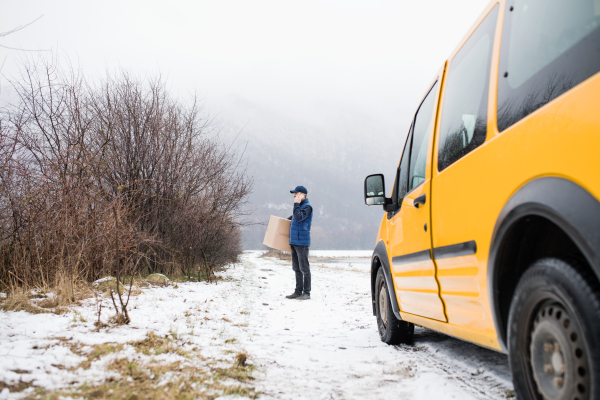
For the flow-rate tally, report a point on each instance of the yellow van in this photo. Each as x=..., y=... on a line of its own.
x=492, y=230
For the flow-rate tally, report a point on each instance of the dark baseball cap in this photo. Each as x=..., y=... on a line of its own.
x=300, y=189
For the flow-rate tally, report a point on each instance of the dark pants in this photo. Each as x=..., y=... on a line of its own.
x=301, y=268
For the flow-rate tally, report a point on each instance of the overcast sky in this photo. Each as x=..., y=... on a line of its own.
x=377, y=56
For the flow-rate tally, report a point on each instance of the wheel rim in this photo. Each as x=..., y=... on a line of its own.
x=383, y=305
x=558, y=357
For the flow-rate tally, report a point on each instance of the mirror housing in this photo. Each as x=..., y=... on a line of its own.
x=375, y=190
x=375, y=193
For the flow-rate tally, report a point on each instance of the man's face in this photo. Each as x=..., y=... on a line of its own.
x=298, y=196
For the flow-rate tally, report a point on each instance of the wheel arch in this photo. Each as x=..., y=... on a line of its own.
x=548, y=216
x=380, y=259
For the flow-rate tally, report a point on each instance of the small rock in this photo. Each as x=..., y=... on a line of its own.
x=157, y=279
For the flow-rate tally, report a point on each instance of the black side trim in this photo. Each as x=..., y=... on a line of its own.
x=455, y=250
x=565, y=204
x=380, y=253
x=423, y=255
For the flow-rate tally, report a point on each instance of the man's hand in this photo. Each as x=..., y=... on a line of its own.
x=297, y=197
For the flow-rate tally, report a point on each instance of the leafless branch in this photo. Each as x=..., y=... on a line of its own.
x=96, y=174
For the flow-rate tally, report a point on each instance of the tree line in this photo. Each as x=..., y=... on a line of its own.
x=113, y=174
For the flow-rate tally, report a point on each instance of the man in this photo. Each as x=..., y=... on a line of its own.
x=300, y=242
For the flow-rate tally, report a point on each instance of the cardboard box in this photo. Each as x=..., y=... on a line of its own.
x=278, y=234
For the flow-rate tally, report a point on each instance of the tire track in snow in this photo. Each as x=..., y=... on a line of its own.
x=338, y=322
x=480, y=384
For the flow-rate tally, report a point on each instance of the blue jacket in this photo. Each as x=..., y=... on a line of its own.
x=301, y=221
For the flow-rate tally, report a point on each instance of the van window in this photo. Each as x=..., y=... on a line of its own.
x=403, y=169
x=421, y=134
x=548, y=47
x=400, y=184
x=401, y=175
x=464, y=115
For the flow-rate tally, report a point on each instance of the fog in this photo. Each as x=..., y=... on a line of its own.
x=320, y=92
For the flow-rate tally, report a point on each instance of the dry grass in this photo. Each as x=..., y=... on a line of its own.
x=55, y=299
x=281, y=255
x=98, y=352
x=108, y=285
x=17, y=387
x=64, y=293
x=137, y=382
x=59, y=297
x=154, y=345
x=18, y=300
x=149, y=379
x=241, y=358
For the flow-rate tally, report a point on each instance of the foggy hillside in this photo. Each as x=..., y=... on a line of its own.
x=329, y=150
x=331, y=153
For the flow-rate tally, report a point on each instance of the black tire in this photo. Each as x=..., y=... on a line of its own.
x=391, y=329
x=554, y=333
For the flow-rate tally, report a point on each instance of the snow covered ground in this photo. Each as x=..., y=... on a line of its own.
x=324, y=348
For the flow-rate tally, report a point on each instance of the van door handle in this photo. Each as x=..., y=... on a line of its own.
x=419, y=200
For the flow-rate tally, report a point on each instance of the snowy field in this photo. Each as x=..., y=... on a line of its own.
x=324, y=348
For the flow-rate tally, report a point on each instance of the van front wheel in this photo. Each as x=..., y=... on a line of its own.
x=554, y=346
x=391, y=329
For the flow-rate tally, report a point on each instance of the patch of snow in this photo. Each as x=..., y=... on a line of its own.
x=329, y=347
x=161, y=275
x=326, y=347
x=341, y=253
x=278, y=207
x=105, y=279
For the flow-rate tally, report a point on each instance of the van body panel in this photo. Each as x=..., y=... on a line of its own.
x=454, y=330
x=457, y=215
x=414, y=279
x=484, y=180
x=559, y=140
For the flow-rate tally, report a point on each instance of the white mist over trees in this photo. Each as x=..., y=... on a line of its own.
x=346, y=76
x=329, y=156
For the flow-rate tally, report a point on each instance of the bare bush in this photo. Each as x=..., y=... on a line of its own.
x=187, y=187
x=109, y=178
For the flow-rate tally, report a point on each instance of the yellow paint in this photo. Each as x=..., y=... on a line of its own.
x=561, y=139
x=462, y=271
x=418, y=273
x=487, y=340
x=415, y=283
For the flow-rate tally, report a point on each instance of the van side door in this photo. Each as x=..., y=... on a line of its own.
x=413, y=270
x=460, y=176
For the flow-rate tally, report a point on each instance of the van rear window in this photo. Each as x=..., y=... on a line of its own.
x=548, y=47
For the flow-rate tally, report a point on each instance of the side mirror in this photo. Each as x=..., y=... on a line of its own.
x=375, y=190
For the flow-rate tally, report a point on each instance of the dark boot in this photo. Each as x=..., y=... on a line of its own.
x=305, y=296
x=294, y=295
